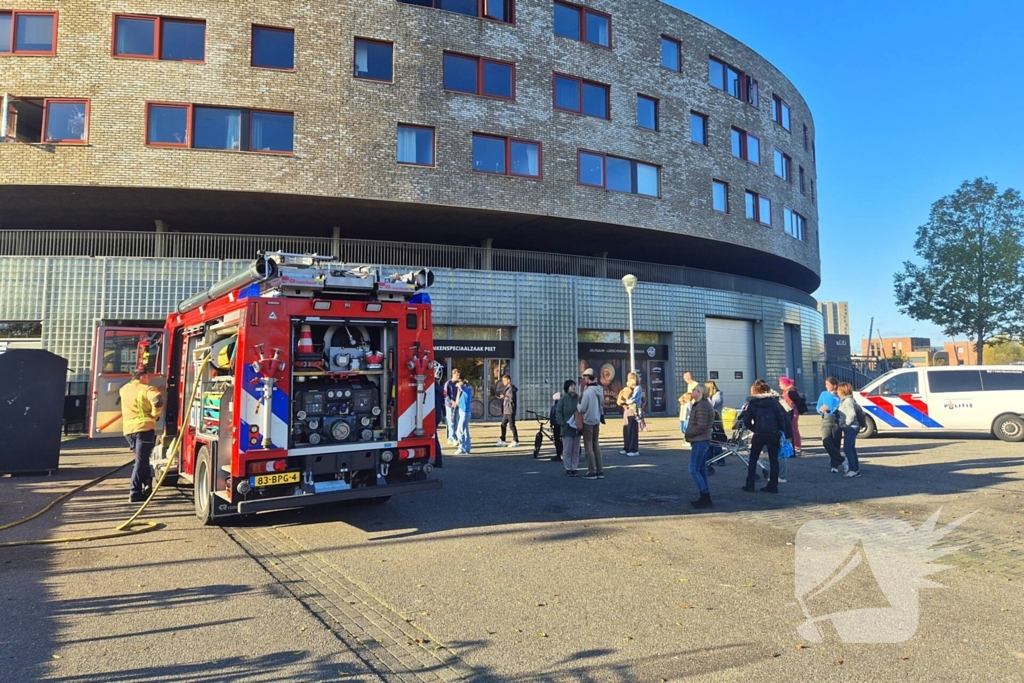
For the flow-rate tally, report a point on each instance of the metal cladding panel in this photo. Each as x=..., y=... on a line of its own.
x=71, y=294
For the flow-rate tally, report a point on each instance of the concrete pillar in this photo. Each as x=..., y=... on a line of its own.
x=162, y=227
x=602, y=264
x=336, y=243
x=487, y=244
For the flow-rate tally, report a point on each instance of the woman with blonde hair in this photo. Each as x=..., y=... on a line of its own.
x=715, y=396
x=851, y=416
x=629, y=399
x=699, y=429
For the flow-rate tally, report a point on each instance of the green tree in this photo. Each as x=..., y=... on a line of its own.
x=972, y=279
x=1003, y=352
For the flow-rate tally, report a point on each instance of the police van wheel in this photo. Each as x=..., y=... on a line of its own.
x=1009, y=428
x=868, y=430
x=202, y=490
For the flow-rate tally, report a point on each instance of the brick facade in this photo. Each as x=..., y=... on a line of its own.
x=345, y=128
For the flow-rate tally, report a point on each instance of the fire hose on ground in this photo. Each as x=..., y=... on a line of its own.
x=128, y=527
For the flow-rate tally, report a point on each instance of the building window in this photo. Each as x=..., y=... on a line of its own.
x=803, y=186
x=415, y=145
x=814, y=195
x=498, y=10
x=273, y=48
x=47, y=120
x=759, y=208
x=698, y=128
x=167, y=125
x=479, y=76
x=783, y=162
x=28, y=33
x=506, y=156
x=146, y=37
x=582, y=97
x=225, y=128
x=619, y=174
x=373, y=60
x=671, y=53
x=647, y=112
x=780, y=112
x=746, y=146
x=581, y=23
x=806, y=147
x=733, y=81
x=720, y=195
x=794, y=223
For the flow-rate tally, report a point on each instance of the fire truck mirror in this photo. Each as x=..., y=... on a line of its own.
x=410, y=321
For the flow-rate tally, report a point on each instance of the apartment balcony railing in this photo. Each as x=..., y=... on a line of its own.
x=118, y=244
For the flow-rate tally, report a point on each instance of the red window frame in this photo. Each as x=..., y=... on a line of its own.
x=47, y=101
x=355, y=49
x=190, y=128
x=158, y=37
x=433, y=142
x=704, y=118
x=787, y=165
x=748, y=84
x=679, y=52
x=714, y=182
x=188, y=124
x=777, y=104
x=745, y=146
x=15, y=13
x=481, y=10
x=758, y=217
x=604, y=172
x=252, y=43
x=480, y=61
x=583, y=12
x=657, y=112
x=607, y=89
x=508, y=156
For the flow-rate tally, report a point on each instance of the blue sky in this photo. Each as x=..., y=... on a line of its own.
x=910, y=98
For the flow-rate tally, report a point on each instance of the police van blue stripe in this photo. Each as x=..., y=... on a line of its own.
x=884, y=416
x=920, y=417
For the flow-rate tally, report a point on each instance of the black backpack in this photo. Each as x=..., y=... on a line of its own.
x=765, y=423
x=799, y=401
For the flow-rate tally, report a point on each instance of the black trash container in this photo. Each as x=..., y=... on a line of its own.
x=32, y=385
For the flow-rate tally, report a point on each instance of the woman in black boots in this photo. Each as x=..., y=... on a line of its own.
x=764, y=416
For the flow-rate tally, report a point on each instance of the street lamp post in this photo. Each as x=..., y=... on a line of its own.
x=629, y=282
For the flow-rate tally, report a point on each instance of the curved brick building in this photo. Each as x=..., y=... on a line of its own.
x=531, y=151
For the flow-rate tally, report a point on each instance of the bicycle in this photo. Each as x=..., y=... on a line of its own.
x=545, y=430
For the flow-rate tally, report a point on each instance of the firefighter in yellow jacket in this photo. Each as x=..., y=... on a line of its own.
x=141, y=405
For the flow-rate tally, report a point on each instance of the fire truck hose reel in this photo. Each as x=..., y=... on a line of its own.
x=126, y=528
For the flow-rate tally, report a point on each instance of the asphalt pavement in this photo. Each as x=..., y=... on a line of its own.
x=515, y=572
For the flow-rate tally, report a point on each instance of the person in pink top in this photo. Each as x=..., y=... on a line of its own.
x=790, y=396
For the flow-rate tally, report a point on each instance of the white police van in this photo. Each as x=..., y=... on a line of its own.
x=977, y=398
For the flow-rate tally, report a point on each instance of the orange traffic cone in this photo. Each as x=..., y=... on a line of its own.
x=305, y=342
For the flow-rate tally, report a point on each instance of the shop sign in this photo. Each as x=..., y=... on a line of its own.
x=474, y=348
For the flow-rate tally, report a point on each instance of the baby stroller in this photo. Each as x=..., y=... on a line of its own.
x=738, y=444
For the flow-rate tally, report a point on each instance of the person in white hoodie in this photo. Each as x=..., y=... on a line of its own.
x=592, y=410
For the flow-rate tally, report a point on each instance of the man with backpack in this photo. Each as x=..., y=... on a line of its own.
x=764, y=416
x=798, y=405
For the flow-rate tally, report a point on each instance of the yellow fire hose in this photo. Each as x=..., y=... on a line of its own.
x=126, y=528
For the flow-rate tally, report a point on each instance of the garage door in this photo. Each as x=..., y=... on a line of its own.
x=731, y=358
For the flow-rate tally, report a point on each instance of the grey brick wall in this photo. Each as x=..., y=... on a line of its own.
x=345, y=128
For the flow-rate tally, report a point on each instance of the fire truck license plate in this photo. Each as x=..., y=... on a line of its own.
x=275, y=479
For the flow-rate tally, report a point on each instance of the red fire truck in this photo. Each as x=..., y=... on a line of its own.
x=314, y=385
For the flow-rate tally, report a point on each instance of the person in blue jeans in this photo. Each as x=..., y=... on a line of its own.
x=451, y=394
x=464, y=402
x=699, y=429
x=850, y=418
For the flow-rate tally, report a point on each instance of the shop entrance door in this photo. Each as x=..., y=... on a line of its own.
x=496, y=367
x=472, y=371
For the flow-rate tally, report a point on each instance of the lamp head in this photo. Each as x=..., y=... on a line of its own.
x=629, y=281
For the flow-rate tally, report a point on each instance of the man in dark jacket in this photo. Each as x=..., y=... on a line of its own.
x=509, y=395
x=765, y=418
x=698, y=433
